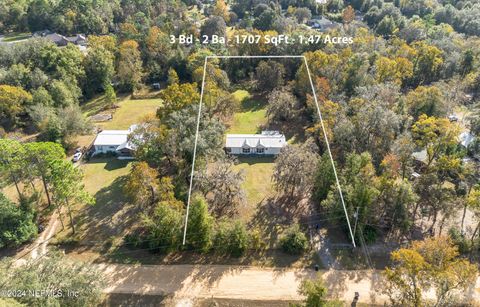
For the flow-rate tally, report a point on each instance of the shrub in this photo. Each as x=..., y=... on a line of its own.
x=294, y=240
x=16, y=225
x=459, y=240
x=231, y=238
x=370, y=234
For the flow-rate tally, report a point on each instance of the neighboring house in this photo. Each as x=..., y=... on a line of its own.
x=78, y=39
x=42, y=33
x=57, y=39
x=267, y=143
x=322, y=24
x=60, y=40
x=115, y=141
x=420, y=156
x=466, y=138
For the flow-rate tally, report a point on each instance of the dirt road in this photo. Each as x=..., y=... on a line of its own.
x=187, y=282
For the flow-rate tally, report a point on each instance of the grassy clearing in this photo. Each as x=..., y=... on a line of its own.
x=100, y=173
x=129, y=111
x=252, y=115
x=110, y=218
x=258, y=181
x=16, y=37
x=94, y=105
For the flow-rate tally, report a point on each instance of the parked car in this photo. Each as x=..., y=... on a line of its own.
x=77, y=156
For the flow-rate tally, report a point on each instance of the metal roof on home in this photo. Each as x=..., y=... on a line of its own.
x=115, y=138
x=268, y=139
x=466, y=138
x=112, y=137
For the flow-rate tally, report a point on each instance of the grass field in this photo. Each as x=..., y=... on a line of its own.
x=100, y=173
x=111, y=215
x=252, y=115
x=16, y=37
x=257, y=170
x=129, y=111
x=258, y=181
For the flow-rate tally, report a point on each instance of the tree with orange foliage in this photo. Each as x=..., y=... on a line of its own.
x=348, y=14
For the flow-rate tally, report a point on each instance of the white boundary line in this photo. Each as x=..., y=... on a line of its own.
x=329, y=151
x=319, y=114
x=195, y=149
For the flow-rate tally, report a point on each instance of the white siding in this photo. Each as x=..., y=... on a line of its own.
x=104, y=149
x=268, y=151
x=273, y=151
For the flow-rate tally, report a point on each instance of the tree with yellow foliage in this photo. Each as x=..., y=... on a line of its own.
x=13, y=100
x=129, y=67
x=142, y=184
x=221, y=10
x=427, y=100
x=393, y=70
x=430, y=264
x=176, y=97
x=427, y=62
x=435, y=135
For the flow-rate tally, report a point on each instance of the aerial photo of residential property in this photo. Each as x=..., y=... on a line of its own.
x=240, y=153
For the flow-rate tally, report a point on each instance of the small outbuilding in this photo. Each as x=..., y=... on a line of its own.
x=266, y=143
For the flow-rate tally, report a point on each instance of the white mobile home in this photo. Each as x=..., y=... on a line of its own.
x=114, y=141
x=267, y=143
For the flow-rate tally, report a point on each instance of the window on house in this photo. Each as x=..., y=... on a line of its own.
x=260, y=150
x=246, y=150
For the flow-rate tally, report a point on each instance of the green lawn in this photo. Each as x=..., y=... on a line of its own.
x=132, y=112
x=129, y=111
x=110, y=218
x=16, y=37
x=100, y=173
x=258, y=181
x=94, y=105
x=251, y=117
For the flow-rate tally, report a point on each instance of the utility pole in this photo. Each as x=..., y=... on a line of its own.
x=355, y=215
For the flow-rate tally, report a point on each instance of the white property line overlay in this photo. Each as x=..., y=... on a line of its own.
x=319, y=115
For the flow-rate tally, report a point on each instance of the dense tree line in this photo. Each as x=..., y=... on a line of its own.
x=23, y=165
x=387, y=16
x=62, y=277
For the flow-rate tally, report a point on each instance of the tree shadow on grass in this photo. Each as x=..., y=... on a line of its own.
x=275, y=214
x=110, y=218
x=254, y=103
x=294, y=130
x=111, y=163
x=254, y=159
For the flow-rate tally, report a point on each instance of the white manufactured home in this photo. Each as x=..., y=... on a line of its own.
x=267, y=143
x=114, y=141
